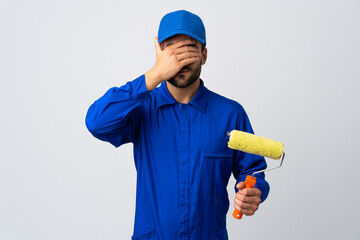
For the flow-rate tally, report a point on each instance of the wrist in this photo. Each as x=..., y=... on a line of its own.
x=152, y=79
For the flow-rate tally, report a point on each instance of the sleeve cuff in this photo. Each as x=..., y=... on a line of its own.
x=264, y=188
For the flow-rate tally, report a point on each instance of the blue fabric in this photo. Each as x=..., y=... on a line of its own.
x=182, y=22
x=181, y=156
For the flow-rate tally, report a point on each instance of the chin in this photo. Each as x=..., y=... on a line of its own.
x=184, y=80
x=181, y=83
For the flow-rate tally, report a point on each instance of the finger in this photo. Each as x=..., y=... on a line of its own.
x=188, y=41
x=246, y=199
x=250, y=192
x=185, y=55
x=247, y=212
x=157, y=45
x=236, y=205
x=188, y=61
x=245, y=207
x=186, y=49
x=240, y=185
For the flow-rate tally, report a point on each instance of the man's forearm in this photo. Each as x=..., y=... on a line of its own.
x=152, y=79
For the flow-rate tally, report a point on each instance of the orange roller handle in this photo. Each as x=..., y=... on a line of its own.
x=249, y=183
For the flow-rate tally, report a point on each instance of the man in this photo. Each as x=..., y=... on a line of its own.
x=179, y=131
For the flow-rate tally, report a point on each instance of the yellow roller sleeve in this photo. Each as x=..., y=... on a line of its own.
x=251, y=143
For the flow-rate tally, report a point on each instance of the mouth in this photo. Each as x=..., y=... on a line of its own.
x=183, y=70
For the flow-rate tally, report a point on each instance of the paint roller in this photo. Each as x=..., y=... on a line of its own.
x=253, y=144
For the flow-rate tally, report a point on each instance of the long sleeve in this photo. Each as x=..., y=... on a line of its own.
x=115, y=117
x=246, y=163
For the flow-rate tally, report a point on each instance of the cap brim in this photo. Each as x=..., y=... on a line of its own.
x=181, y=32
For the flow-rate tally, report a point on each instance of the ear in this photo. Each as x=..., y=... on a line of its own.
x=204, y=53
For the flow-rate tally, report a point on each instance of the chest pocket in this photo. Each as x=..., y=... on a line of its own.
x=217, y=162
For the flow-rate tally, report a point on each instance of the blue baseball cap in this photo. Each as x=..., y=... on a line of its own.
x=182, y=22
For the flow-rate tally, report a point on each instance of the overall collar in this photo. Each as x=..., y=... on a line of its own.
x=199, y=101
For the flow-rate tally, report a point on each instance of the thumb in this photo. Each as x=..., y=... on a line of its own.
x=240, y=185
x=157, y=45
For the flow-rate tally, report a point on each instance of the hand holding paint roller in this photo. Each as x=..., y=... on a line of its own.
x=250, y=143
x=247, y=198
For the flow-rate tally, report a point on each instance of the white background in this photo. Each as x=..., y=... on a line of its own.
x=293, y=65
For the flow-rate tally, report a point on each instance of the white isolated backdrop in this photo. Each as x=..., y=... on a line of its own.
x=293, y=65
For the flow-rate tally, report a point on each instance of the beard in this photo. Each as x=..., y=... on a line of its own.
x=181, y=81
